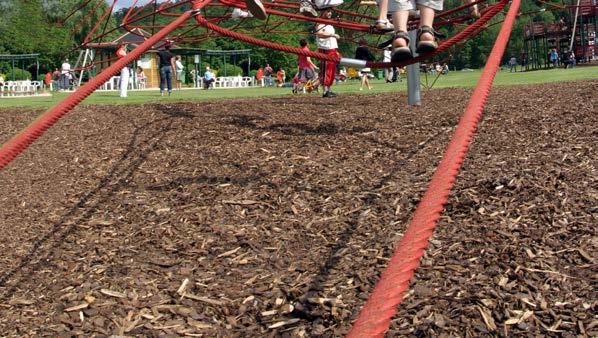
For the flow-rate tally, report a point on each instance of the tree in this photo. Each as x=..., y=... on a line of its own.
x=37, y=26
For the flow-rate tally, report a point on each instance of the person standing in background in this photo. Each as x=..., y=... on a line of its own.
x=268, y=74
x=326, y=40
x=166, y=66
x=125, y=73
x=65, y=75
x=363, y=53
x=179, y=72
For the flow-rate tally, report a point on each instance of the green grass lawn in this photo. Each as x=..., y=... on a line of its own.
x=454, y=79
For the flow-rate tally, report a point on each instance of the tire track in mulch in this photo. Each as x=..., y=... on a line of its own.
x=274, y=217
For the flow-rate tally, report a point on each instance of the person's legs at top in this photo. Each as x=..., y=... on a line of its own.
x=256, y=8
x=307, y=8
x=382, y=24
x=426, y=41
x=400, y=44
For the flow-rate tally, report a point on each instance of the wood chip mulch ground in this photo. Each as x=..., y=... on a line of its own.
x=274, y=217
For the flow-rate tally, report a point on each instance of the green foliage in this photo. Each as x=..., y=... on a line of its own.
x=17, y=74
x=231, y=70
x=37, y=26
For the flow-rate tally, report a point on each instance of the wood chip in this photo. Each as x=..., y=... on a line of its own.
x=229, y=253
x=487, y=317
x=269, y=313
x=21, y=301
x=199, y=325
x=183, y=286
x=241, y=202
x=77, y=307
x=525, y=316
x=203, y=299
x=111, y=293
x=283, y=323
x=586, y=255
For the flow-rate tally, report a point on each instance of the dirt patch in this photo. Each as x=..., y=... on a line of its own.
x=275, y=217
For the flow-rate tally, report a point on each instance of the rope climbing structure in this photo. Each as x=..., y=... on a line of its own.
x=374, y=318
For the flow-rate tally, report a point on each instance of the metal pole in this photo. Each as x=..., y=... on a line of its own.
x=574, y=25
x=413, y=83
x=581, y=39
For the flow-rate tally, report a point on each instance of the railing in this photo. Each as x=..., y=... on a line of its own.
x=20, y=88
x=228, y=82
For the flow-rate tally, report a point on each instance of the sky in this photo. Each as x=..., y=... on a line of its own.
x=127, y=3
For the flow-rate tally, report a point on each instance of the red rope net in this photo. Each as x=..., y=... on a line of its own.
x=375, y=317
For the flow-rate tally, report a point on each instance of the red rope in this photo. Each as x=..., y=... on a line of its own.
x=374, y=318
x=108, y=11
x=272, y=45
x=20, y=142
x=78, y=8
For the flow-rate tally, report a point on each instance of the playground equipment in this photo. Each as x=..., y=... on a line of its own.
x=18, y=87
x=375, y=317
x=578, y=34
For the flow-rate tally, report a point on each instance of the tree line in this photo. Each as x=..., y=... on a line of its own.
x=54, y=29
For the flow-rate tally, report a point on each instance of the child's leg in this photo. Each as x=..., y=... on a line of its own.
x=400, y=21
x=426, y=42
x=382, y=24
x=426, y=19
x=400, y=44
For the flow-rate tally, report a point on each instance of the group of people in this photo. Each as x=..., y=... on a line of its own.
x=435, y=68
x=168, y=65
x=326, y=41
x=567, y=59
x=264, y=76
x=400, y=10
x=60, y=79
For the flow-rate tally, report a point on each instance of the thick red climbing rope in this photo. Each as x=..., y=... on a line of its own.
x=20, y=142
x=272, y=45
x=466, y=33
x=374, y=318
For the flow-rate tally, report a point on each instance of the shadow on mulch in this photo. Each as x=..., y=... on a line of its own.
x=121, y=172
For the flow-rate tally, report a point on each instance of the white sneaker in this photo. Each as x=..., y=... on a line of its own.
x=238, y=13
x=307, y=9
x=256, y=8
